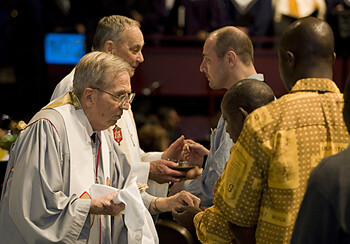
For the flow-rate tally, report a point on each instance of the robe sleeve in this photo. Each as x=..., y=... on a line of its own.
x=155, y=189
x=38, y=205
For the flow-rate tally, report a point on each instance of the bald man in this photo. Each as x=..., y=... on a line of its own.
x=323, y=216
x=258, y=196
x=227, y=58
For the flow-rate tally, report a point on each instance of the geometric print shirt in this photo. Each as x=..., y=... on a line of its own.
x=265, y=179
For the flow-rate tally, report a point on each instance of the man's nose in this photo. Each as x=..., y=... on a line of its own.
x=125, y=106
x=140, y=58
x=202, y=67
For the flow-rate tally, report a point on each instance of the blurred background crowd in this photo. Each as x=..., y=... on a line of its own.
x=178, y=100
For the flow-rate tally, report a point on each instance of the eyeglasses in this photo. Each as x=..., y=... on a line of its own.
x=122, y=98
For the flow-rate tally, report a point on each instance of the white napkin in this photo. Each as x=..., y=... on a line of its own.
x=138, y=220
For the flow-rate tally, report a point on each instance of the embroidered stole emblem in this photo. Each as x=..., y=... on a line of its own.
x=117, y=132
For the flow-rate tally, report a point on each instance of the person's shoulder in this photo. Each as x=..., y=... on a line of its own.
x=331, y=168
x=336, y=161
x=64, y=85
x=47, y=118
x=68, y=78
x=67, y=82
x=46, y=114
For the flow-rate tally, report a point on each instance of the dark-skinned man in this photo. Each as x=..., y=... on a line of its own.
x=257, y=198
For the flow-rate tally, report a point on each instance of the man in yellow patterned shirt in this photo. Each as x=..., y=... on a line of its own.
x=258, y=196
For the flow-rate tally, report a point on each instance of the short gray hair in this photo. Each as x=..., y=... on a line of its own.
x=96, y=69
x=111, y=28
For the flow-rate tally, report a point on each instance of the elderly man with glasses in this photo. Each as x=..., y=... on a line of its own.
x=122, y=37
x=65, y=150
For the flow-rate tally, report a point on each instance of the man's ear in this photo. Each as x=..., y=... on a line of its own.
x=108, y=47
x=231, y=57
x=89, y=97
x=243, y=112
x=291, y=59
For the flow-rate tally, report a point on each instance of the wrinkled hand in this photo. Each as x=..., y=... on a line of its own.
x=161, y=171
x=104, y=205
x=194, y=152
x=174, y=150
x=180, y=199
x=184, y=216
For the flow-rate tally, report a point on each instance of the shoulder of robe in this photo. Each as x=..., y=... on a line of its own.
x=53, y=117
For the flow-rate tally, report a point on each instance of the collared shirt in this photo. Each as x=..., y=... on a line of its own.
x=220, y=144
x=265, y=178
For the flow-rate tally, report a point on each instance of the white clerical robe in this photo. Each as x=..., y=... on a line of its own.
x=39, y=204
x=129, y=143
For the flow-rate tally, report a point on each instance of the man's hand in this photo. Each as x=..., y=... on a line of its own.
x=174, y=150
x=183, y=198
x=162, y=171
x=166, y=204
x=194, y=152
x=104, y=205
x=184, y=216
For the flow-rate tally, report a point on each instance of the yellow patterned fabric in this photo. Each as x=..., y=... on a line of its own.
x=266, y=176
